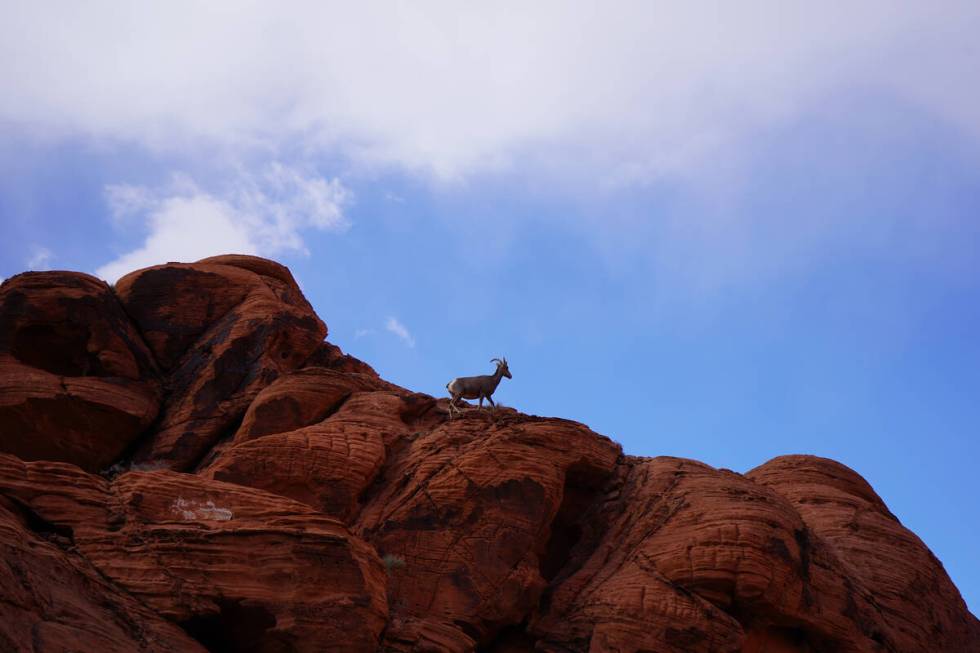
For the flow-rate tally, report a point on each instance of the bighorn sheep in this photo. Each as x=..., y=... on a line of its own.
x=476, y=387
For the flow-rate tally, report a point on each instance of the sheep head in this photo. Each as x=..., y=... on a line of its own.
x=502, y=367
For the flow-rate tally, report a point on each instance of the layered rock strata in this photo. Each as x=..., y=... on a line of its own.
x=188, y=466
x=77, y=382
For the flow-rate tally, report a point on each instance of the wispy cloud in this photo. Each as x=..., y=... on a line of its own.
x=361, y=333
x=40, y=258
x=396, y=327
x=263, y=213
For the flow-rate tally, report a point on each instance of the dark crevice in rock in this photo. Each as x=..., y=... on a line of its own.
x=510, y=639
x=577, y=526
x=236, y=628
x=222, y=442
x=795, y=638
x=127, y=461
x=802, y=536
x=575, y=532
x=142, y=346
x=59, y=535
x=468, y=629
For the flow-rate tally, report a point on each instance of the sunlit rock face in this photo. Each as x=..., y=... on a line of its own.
x=186, y=465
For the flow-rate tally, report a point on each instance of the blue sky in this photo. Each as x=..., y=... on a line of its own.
x=705, y=232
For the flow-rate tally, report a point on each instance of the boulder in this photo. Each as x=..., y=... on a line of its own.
x=917, y=603
x=222, y=330
x=77, y=383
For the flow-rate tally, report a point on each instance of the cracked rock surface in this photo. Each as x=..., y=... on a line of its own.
x=186, y=465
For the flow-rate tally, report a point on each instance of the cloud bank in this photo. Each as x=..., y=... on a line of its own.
x=595, y=96
x=629, y=91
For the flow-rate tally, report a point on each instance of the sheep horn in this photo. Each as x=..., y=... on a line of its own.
x=498, y=360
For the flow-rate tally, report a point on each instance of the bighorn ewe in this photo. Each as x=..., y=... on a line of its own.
x=476, y=387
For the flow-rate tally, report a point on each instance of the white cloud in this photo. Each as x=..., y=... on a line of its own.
x=185, y=229
x=261, y=214
x=361, y=333
x=40, y=258
x=631, y=90
x=290, y=202
x=396, y=327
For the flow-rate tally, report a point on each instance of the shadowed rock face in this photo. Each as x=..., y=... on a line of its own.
x=77, y=383
x=325, y=509
x=221, y=329
x=53, y=597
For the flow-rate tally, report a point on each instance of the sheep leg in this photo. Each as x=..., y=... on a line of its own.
x=481, y=402
x=493, y=406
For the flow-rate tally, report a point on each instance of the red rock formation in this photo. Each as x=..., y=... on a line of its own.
x=328, y=509
x=878, y=552
x=469, y=507
x=684, y=557
x=236, y=567
x=331, y=357
x=302, y=399
x=222, y=329
x=325, y=463
x=54, y=600
x=76, y=381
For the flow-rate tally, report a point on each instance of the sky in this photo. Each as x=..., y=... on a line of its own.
x=722, y=231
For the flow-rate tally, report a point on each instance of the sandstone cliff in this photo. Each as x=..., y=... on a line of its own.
x=186, y=465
